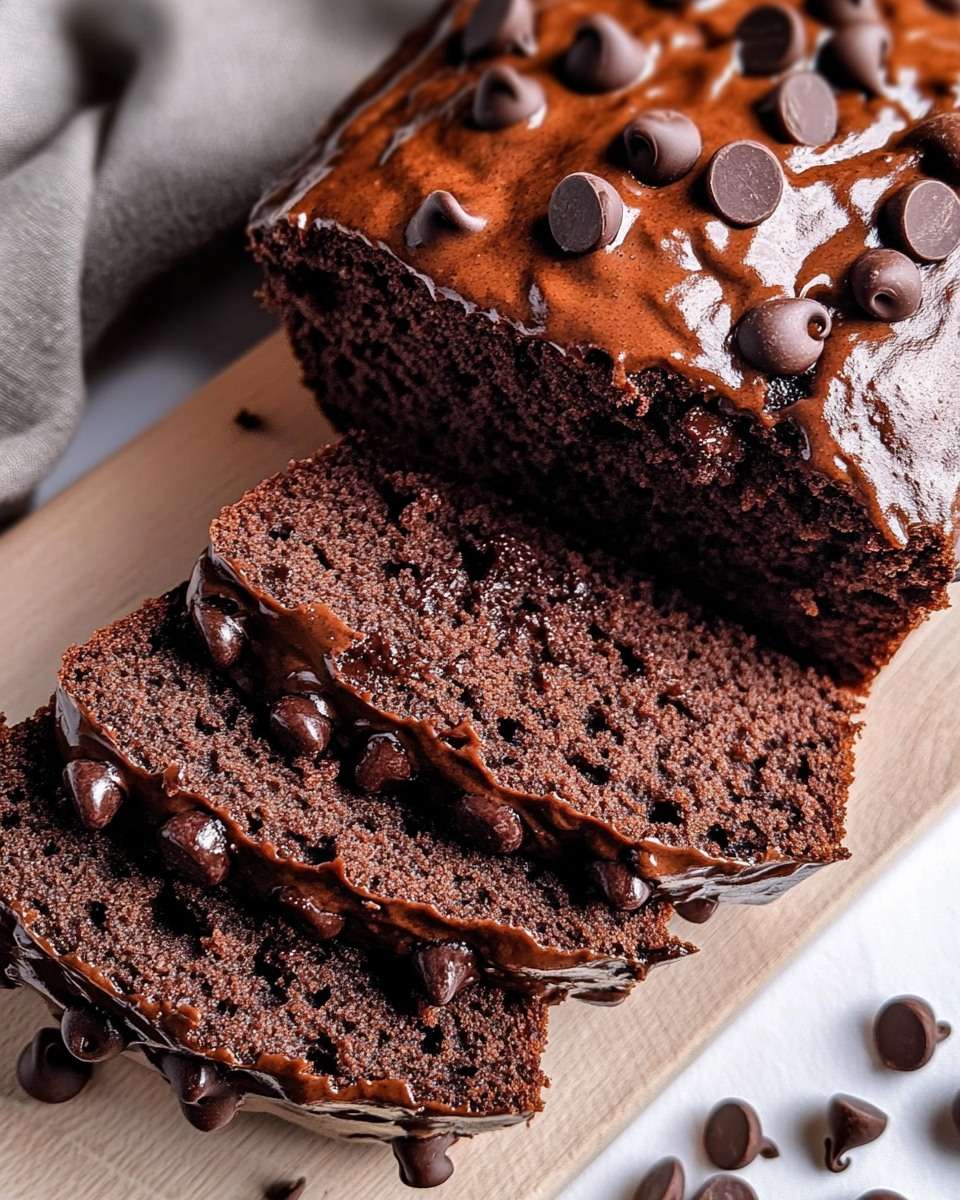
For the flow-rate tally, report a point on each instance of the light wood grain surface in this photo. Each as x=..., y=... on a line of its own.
x=131, y=529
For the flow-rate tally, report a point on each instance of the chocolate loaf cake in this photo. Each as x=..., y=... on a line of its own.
x=230, y=1003
x=683, y=276
x=555, y=703
x=142, y=712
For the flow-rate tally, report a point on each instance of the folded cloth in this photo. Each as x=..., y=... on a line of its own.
x=131, y=132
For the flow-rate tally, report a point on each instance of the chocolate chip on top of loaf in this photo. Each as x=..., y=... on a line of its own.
x=669, y=208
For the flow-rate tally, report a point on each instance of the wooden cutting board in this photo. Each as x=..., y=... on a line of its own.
x=132, y=528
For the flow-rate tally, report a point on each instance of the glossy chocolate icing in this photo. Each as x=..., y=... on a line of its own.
x=508, y=954
x=877, y=410
x=308, y=646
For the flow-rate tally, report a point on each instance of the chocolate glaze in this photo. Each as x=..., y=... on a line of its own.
x=871, y=419
x=309, y=644
x=212, y=1087
x=321, y=895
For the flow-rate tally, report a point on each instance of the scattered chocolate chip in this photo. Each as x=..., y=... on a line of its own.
x=938, y=138
x=858, y=53
x=47, y=1072
x=423, y=1160
x=250, y=421
x=501, y=27
x=301, y=724
x=286, y=1191
x=585, y=213
x=882, y=1194
x=194, y=844
x=503, y=97
x=221, y=631
x=324, y=925
x=744, y=183
x=440, y=215
x=886, y=284
x=97, y=790
x=955, y=1112
x=948, y=6
x=664, y=1181
x=924, y=218
x=208, y=1101
x=603, y=57
x=384, y=761
x=492, y=827
x=804, y=109
x=847, y=12
x=771, y=38
x=697, y=912
x=852, y=1123
x=784, y=337
x=906, y=1033
x=733, y=1137
x=445, y=969
x=90, y=1035
x=624, y=890
x=661, y=146
x=726, y=1187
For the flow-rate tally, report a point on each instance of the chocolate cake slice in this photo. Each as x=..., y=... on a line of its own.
x=229, y=1002
x=682, y=276
x=142, y=712
x=624, y=729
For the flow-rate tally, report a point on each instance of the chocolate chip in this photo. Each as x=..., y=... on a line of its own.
x=886, y=284
x=712, y=445
x=440, y=215
x=804, y=109
x=847, y=12
x=771, y=38
x=194, y=844
x=47, y=1072
x=492, y=827
x=301, y=724
x=384, y=761
x=858, y=54
x=661, y=146
x=882, y=1194
x=208, y=1100
x=585, y=213
x=501, y=27
x=503, y=97
x=603, y=57
x=90, y=1035
x=948, y=6
x=664, y=1181
x=955, y=1112
x=324, y=925
x=726, y=1187
x=784, y=337
x=924, y=218
x=287, y=1191
x=938, y=138
x=906, y=1033
x=733, y=1137
x=221, y=631
x=697, y=912
x=623, y=889
x=423, y=1160
x=97, y=790
x=444, y=968
x=744, y=183
x=852, y=1123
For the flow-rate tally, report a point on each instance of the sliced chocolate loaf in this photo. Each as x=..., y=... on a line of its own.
x=652, y=743
x=142, y=712
x=655, y=275
x=229, y=1002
